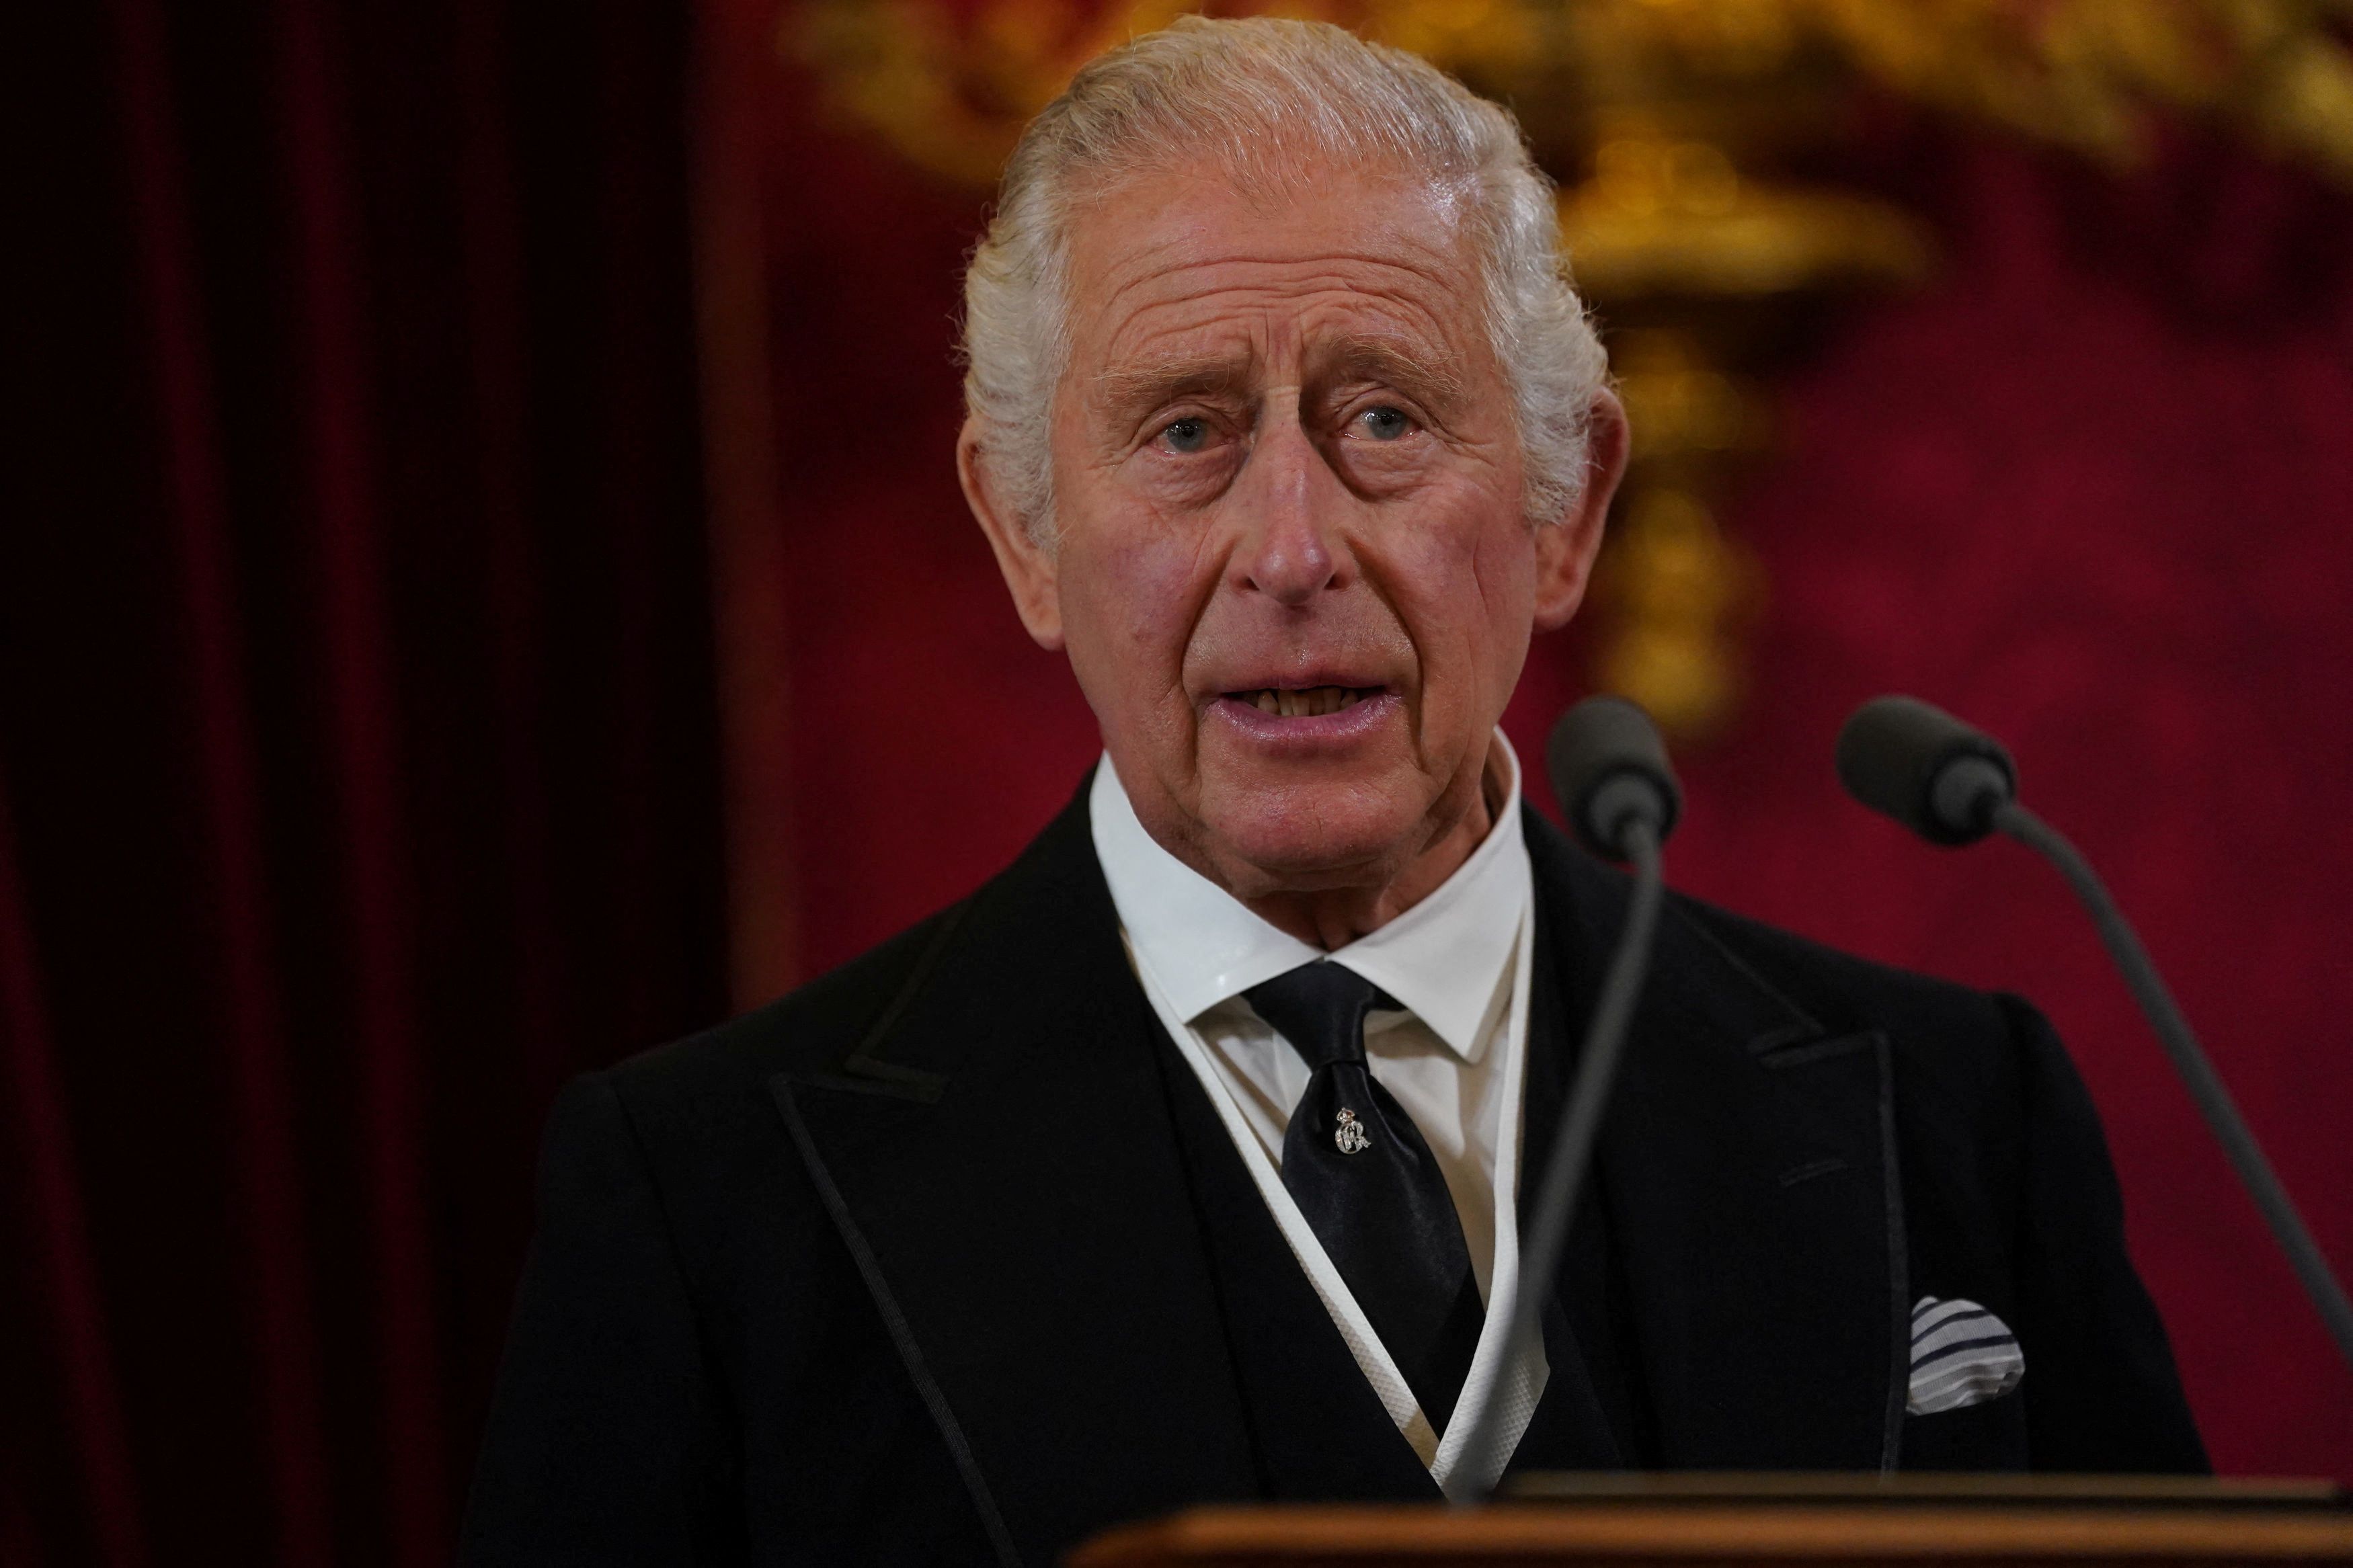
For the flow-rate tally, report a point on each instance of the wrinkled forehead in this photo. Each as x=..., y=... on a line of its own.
x=1190, y=261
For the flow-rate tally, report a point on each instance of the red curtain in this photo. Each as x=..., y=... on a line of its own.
x=2093, y=488
x=357, y=776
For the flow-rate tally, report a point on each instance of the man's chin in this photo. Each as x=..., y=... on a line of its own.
x=1294, y=848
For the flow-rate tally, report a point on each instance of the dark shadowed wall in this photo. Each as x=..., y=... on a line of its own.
x=356, y=736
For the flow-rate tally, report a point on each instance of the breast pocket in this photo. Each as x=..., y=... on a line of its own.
x=1988, y=1436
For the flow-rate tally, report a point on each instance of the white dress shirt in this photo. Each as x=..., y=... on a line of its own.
x=1455, y=1059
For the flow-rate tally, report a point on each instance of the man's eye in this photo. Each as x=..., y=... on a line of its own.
x=1385, y=424
x=1186, y=434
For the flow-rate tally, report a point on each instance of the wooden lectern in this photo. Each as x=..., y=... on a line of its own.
x=1654, y=1521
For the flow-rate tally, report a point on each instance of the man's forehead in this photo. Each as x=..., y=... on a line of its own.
x=1196, y=272
x=1194, y=229
x=1160, y=203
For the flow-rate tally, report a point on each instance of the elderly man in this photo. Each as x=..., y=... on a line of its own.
x=1183, y=1160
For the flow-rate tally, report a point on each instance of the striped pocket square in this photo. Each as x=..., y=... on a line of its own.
x=1961, y=1356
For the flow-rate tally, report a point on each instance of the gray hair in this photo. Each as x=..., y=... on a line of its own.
x=1254, y=94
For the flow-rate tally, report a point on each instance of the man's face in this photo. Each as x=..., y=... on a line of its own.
x=1294, y=573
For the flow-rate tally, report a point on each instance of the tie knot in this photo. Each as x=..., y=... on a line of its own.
x=1319, y=1008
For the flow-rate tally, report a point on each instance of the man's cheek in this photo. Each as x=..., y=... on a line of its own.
x=1438, y=597
x=1150, y=597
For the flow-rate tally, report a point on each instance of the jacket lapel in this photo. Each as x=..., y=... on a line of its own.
x=999, y=1157
x=1573, y=1426
x=1747, y=1165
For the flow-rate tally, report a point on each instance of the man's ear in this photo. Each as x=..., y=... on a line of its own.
x=1029, y=566
x=1566, y=546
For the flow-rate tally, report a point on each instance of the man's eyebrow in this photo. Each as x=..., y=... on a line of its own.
x=1429, y=374
x=1136, y=389
x=1432, y=375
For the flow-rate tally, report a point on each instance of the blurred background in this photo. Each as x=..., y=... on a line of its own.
x=483, y=591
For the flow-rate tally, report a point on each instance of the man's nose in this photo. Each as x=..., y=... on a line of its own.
x=1290, y=549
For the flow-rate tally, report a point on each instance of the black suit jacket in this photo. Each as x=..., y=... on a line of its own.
x=944, y=1259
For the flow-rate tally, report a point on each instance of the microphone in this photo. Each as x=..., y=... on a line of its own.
x=1952, y=784
x=1611, y=774
x=1610, y=771
x=1925, y=768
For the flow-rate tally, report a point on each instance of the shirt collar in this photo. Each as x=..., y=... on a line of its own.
x=1441, y=959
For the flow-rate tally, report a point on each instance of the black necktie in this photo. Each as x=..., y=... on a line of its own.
x=1356, y=1165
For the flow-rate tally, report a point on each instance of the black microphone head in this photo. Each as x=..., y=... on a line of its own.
x=1939, y=777
x=1609, y=767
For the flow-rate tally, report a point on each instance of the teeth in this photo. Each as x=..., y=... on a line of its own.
x=1309, y=702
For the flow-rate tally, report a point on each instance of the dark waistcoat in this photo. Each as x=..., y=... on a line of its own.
x=1316, y=1427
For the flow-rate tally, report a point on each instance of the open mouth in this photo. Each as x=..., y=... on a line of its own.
x=1305, y=702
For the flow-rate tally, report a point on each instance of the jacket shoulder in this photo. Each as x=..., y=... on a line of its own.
x=702, y=1085
x=808, y=1029
x=1841, y=991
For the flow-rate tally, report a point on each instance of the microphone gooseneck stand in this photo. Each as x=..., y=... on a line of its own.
x=1572, y=1155
x=2188, y=1058
x=1952, y=783
x=1617, y=790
